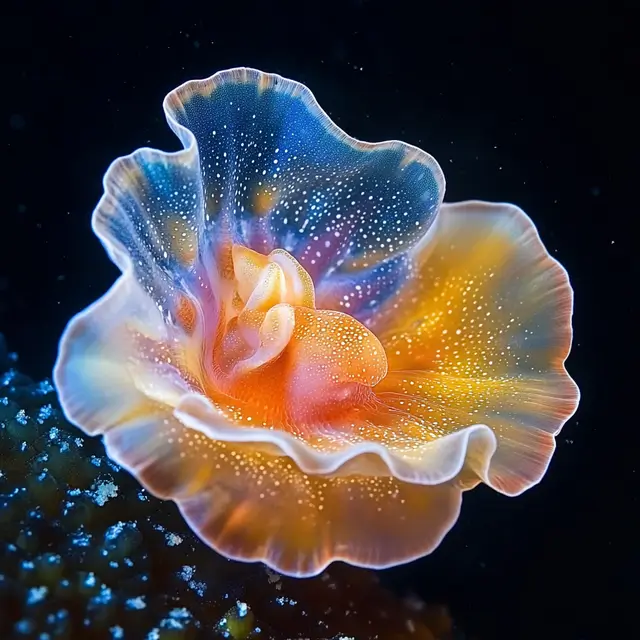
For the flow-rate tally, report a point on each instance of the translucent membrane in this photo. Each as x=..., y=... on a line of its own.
x=306, y=350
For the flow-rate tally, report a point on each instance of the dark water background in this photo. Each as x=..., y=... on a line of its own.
x=525, y=103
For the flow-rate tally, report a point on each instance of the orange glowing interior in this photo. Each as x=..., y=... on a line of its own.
x=284, y=360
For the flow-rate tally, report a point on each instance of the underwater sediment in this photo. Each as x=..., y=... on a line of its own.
x=87, y=553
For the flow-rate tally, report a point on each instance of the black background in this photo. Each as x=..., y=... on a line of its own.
x=525, y=103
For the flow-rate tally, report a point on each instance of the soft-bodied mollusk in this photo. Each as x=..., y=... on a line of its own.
x=306, y=350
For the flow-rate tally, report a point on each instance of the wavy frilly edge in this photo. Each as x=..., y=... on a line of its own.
x=537, y=294
x=127, y=170
x=105, y=390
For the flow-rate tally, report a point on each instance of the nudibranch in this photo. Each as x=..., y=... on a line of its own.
x=307, y=351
